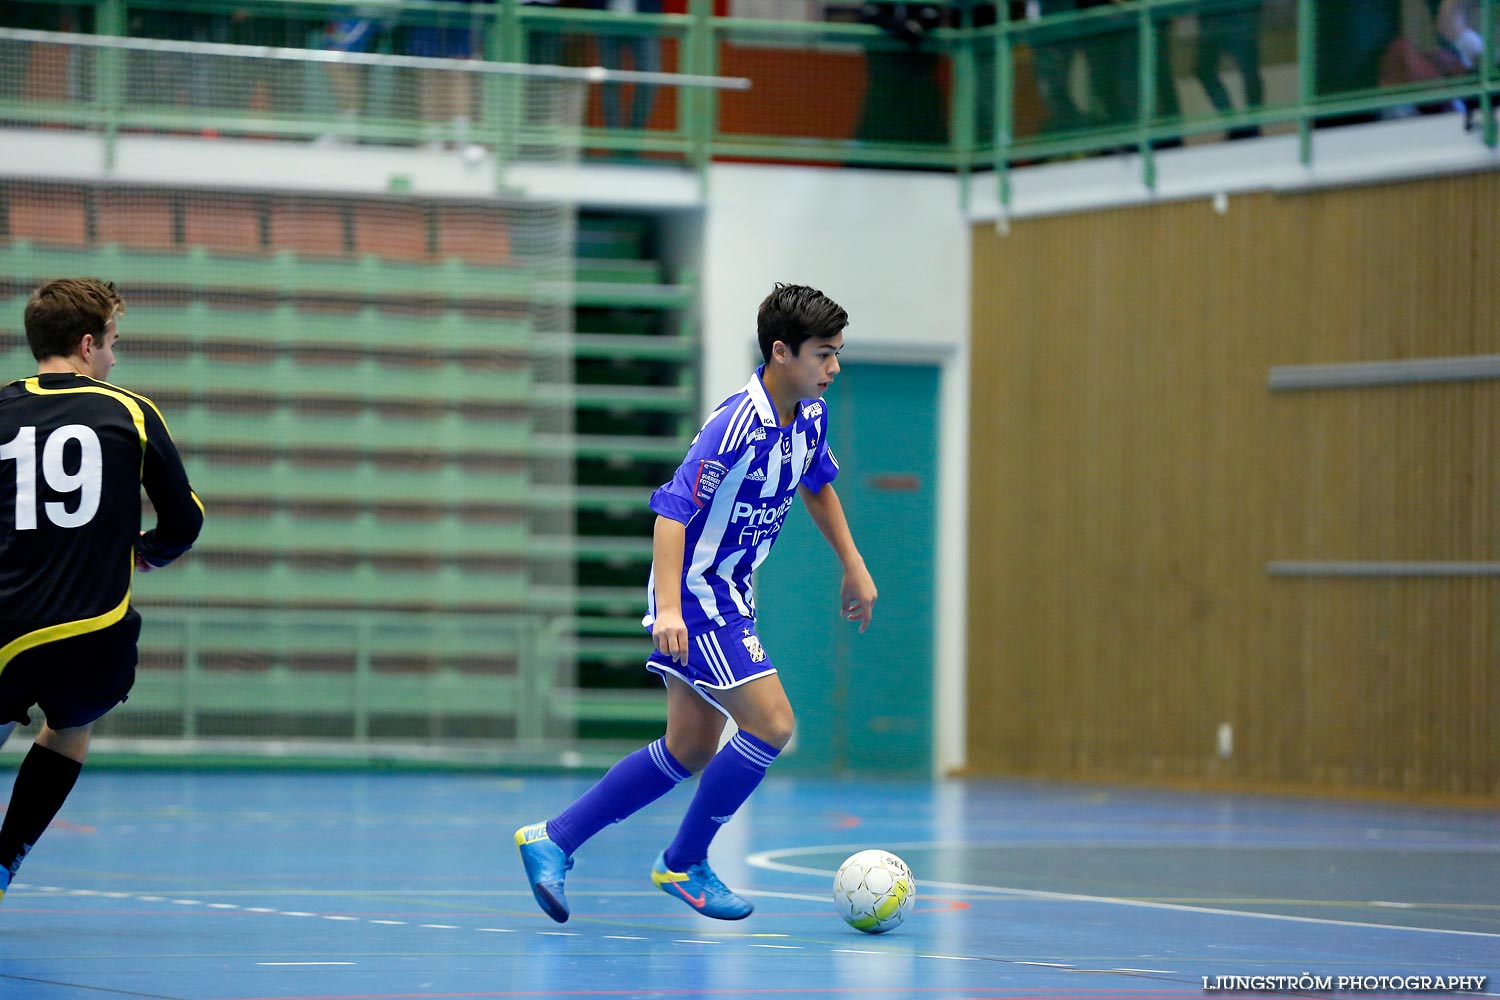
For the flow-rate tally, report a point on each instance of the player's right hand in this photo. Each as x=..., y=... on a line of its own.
x=670, y=634
x=141, y=565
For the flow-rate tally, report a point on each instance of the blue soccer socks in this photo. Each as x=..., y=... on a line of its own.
x=682, y=870
x=701, y=889
x=635, y=782
x=724, y=786
x=547, y=848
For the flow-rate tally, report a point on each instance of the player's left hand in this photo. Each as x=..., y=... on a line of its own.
x=857, y=596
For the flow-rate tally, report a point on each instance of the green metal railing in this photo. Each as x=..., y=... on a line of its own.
x=1144, y=25
x=964, y=98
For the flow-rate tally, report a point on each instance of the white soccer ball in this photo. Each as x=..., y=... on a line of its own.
x=874, y=891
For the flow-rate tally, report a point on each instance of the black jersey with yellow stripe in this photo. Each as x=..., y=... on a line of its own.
x=74, y=455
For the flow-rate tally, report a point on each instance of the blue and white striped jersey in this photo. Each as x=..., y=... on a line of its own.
x=733, y=491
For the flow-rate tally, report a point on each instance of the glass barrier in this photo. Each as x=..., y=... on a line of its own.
x=623, y=121
x=959, y=85
x=840, y=91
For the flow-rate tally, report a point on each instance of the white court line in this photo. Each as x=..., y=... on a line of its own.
x=767, y=859
x=737, y=938
x=806, y=897
x=522, y=893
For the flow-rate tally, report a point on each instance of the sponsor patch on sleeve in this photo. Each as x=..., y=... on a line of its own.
x=710, y=475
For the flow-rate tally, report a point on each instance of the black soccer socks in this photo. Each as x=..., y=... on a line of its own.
x=42, y=786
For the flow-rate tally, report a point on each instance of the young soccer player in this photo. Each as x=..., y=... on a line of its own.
x=716, y=521
x=74, y=454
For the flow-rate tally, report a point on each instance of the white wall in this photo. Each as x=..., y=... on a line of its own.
x=890, y=247
x=1426, y=146
x=893, y=249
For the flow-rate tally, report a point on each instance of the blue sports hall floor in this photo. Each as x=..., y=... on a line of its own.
x=328, y=886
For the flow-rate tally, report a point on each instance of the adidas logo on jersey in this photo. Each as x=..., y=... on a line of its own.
x=759, y=475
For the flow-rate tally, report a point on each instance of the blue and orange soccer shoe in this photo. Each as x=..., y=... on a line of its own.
x=701, y=889
x=546, y=868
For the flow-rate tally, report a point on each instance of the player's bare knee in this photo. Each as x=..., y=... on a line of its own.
x=775, y=730
x=695, y=762
x=692, y=751
x=72, y=743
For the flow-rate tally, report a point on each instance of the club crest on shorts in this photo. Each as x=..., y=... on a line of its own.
x=752, y=644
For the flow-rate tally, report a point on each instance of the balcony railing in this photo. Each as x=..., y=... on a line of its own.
x=961, y=90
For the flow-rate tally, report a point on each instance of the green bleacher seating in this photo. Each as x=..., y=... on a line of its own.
x=353, y=385
x=284, y=428
x=310, y=582
x=371, y=380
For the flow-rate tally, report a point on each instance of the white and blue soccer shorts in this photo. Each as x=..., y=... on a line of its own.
x=725, y=658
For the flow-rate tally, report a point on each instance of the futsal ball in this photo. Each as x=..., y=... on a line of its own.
x=874, y=891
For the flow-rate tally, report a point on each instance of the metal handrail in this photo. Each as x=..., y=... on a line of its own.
x=482, y=67
x=698, y=135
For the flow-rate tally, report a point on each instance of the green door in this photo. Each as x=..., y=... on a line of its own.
x=863, y=702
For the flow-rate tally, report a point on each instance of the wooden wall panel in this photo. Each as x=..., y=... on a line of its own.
x=1133, y=474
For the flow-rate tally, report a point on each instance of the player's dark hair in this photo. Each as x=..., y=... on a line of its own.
x=795, y=314
x=62, y=311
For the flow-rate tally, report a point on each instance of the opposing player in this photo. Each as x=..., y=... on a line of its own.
x=716, y=521
x=74, y=454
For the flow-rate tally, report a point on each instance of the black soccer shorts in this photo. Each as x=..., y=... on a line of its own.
x=74, y=681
